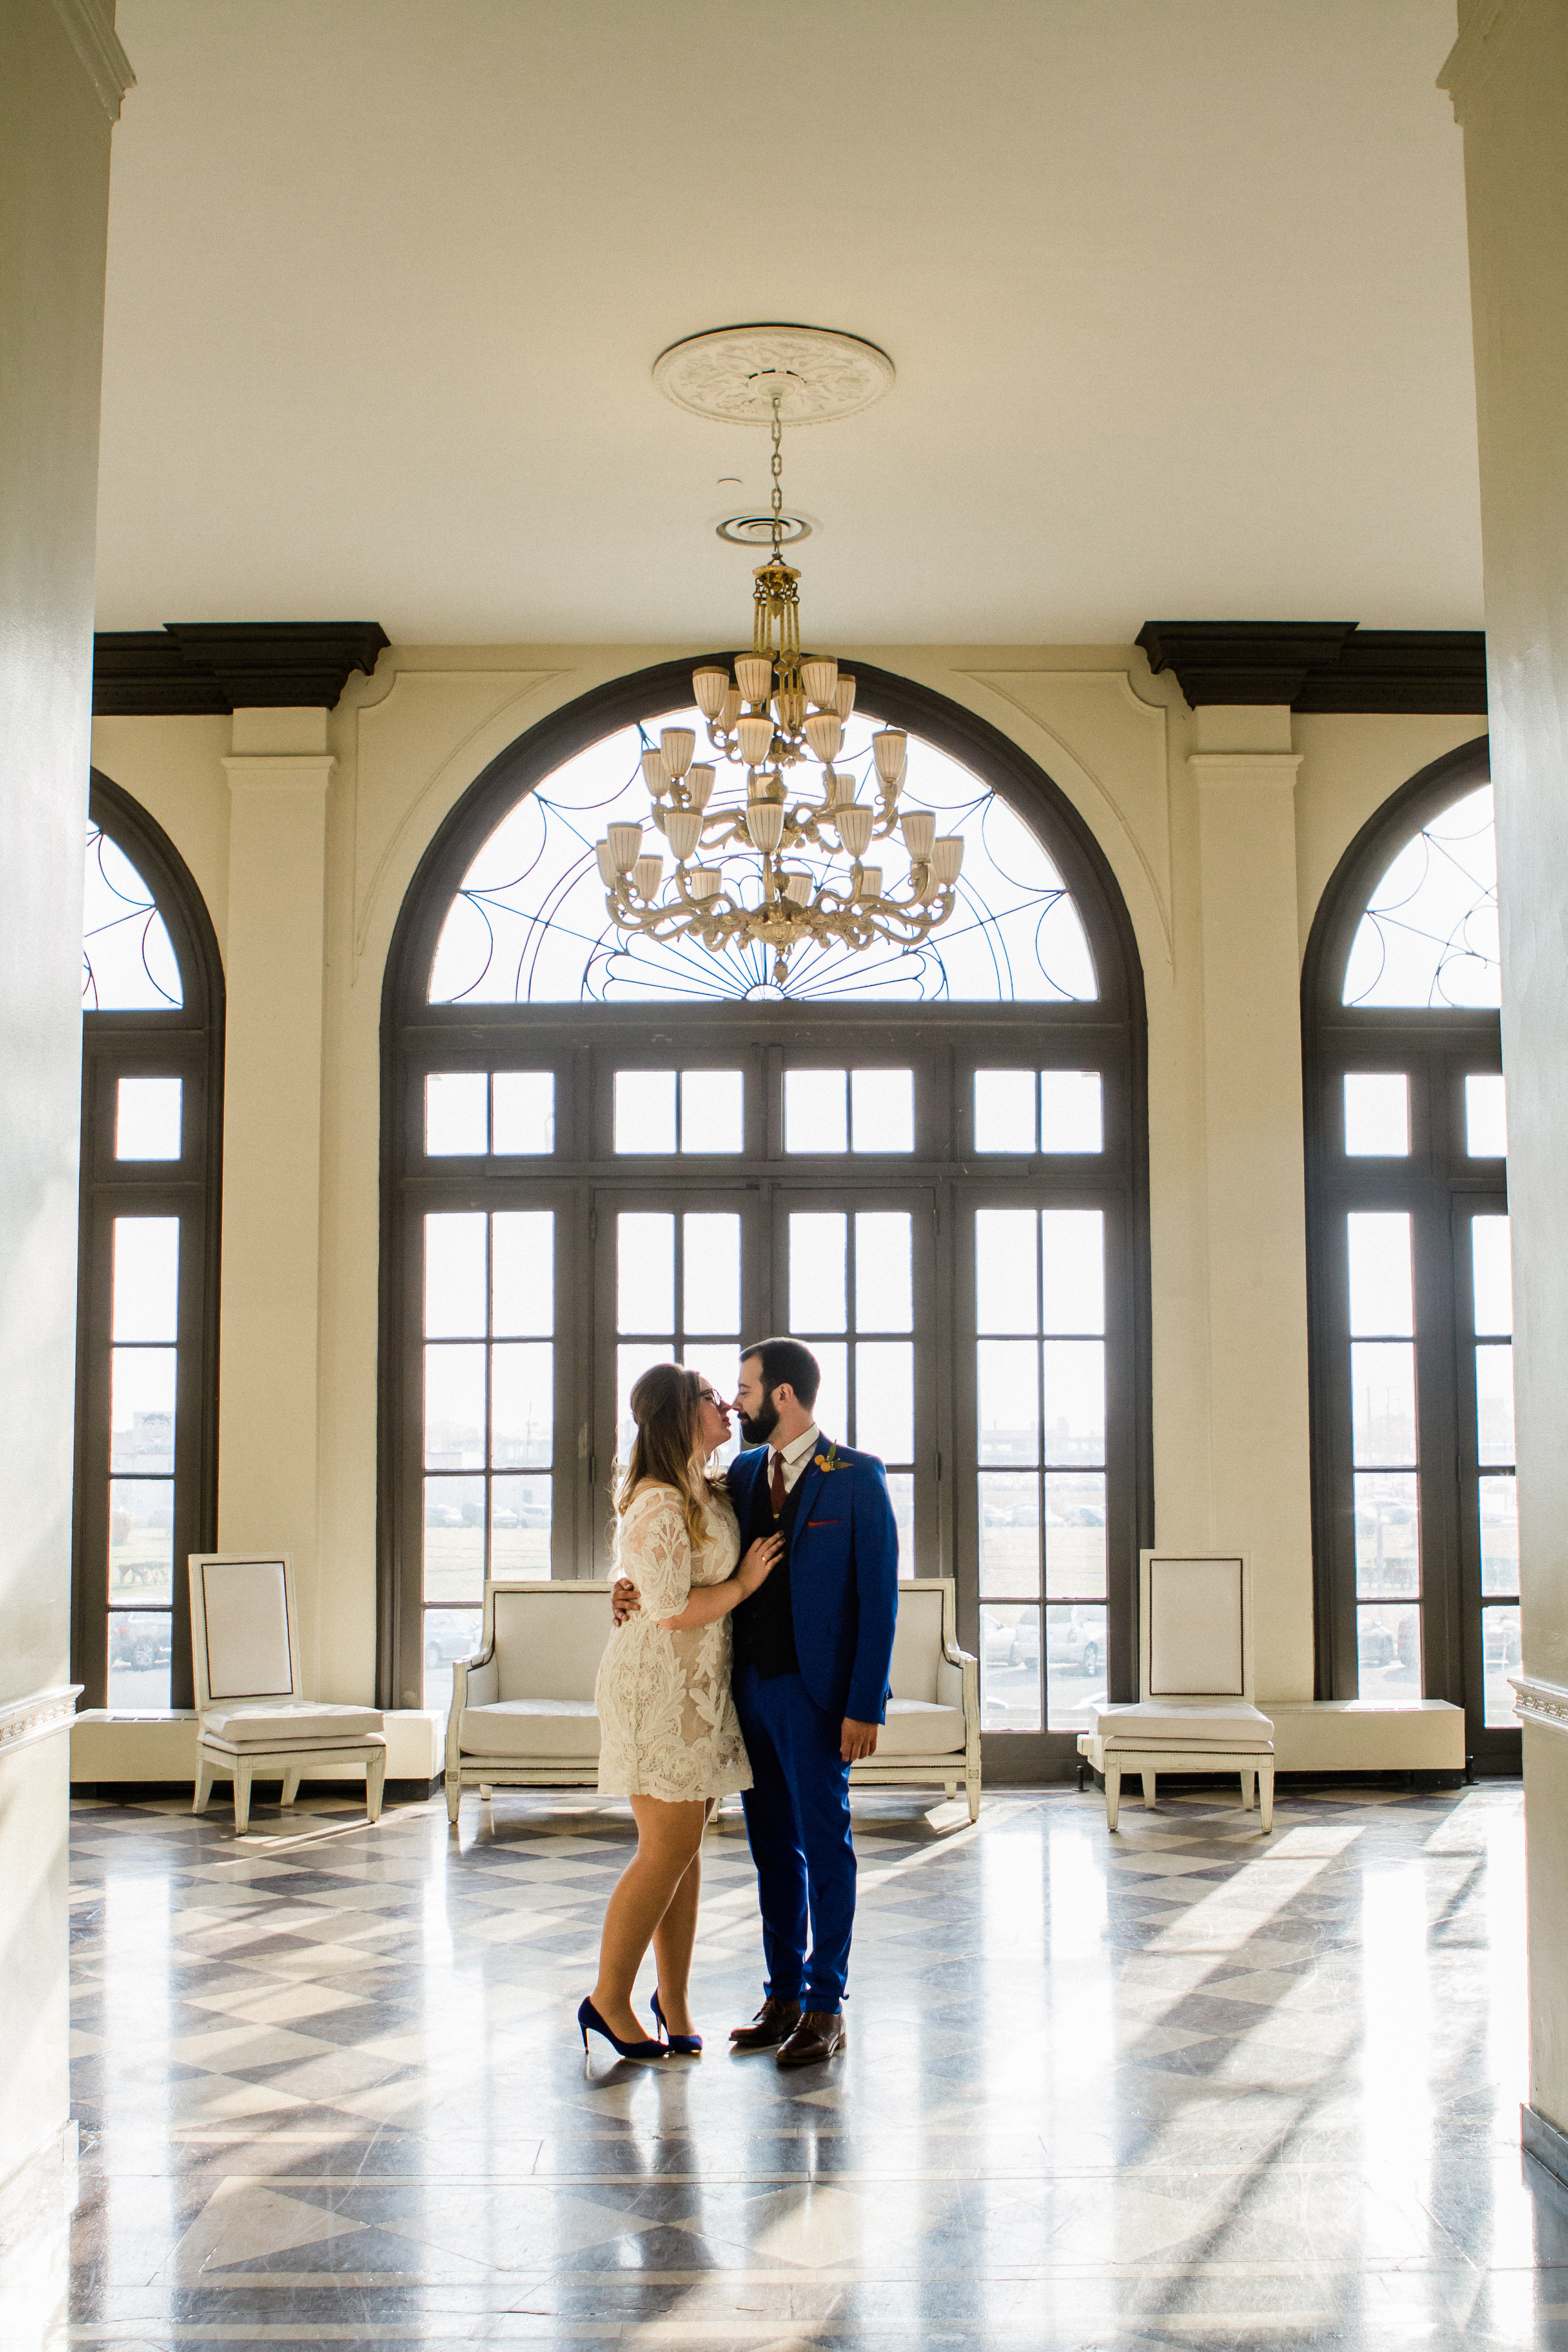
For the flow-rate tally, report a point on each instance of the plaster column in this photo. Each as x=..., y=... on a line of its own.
x=268, y=1396
x=1259, y=1472
x=1508, y=76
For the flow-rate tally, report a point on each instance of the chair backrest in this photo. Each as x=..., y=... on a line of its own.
x=550, y=1634
x=1195, y=1620
x=245, y=1640
x=926, y=1618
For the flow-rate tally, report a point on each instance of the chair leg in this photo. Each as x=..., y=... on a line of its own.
x=1248, y=1780
x=1149, y=1780
x=374, y=1781
x=1266, y=1796
x=1112, y=1792
x=972, y=1789
x=241, y=1796
x=484, y=1792
x=203, y=1785
x=290, y=1788
x=454, y=1797
x=949, y=1789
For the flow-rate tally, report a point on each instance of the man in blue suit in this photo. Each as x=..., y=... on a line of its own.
x=813, y=1645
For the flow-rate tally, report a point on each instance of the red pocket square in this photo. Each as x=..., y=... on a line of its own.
x=825, y=1523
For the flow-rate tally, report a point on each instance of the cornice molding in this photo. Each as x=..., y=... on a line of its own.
x=90, y=28
x=1322, y=665
x=1536, y=1701
x=188, y=669
x=37, y=1715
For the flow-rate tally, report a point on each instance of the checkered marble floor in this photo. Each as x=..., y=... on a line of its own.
x=1182, y=2086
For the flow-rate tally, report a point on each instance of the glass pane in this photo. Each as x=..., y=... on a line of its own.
x=455, y=1275
x=884, y=1291
x=885, y=1399
x=449, y=1634
x=1074, y=1387
x=1009, y=1669
x=1382, y=1404
x=1500, y=1650
x=715, y=1360
x=1381, y=1306
x=519, y=1526
x=1072, y=1269
x=1486, y=1118
x=456, y=1113
x=1492, y=1265
x=147, y=1119
x=712, y=1106
x=454, y=1540
x=1006, y=1281
x=1494, y=1405
x=146, y=1279
x=1075, y=1664
x=817, y=1246
x=645, y=1267
x=1377, y=1115
x=1075, y=1534
x=141, y=1540
x=1429, y=935
x=832, y=1406
x=1387, y=1535
x=1010, y=1534
x=522, y=1405
x=1499, y=1535
x=712, y=1275
x=455, y=1407
x=141, y=1651
x=816, y=1111
x=522, y=1110
x=631, y=1363
x=902, y=1495
x=644, y=1110
x=1008, y=1403
x=1072, y=1118
x=141, y=1409
x=1388, y=1652
x=1004, y=1110
x=128, y=958
x=522, y=1273
x=884, y=1108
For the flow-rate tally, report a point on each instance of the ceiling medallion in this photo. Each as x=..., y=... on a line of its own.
x=732, y=374
x=757, y=530
x=782, y=707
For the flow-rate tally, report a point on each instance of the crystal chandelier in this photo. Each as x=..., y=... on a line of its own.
x=782, y=708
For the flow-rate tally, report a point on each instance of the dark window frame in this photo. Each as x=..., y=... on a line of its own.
x=576, y=1040
x=1440, y=1187
x=188, y=1044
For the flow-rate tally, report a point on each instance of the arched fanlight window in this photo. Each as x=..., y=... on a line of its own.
x=1415, y=1521
x=146, y=1482
x=931, y=1167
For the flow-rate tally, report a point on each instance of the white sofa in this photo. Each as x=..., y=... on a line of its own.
x=522, y=1710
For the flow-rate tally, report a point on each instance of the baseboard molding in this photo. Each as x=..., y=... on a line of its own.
x=1544, y=2142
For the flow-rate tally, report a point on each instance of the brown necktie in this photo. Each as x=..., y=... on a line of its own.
x=777, y=1493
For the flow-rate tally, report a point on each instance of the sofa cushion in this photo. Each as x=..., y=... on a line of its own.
x=292, y=1722
x=918, y=1726
x=1207, y=1723
x=529, y=1727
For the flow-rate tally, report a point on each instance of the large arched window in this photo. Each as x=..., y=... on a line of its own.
x=1416, y=1528
x=147, y=1293
x=931, y=1167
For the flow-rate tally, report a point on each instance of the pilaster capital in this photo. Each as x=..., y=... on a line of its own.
x=1263, y=769
x=271, y=772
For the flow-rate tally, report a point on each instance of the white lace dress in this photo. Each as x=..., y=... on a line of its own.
x=668, y=1726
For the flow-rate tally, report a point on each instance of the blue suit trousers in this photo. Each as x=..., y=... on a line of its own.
x=797, y=1819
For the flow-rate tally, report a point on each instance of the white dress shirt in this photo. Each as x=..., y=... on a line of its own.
x=794, y=1455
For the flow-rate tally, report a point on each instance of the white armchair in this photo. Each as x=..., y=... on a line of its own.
x=1195, y=1712
x=251, y=1719
x=522, y=1711
x=933, y=1731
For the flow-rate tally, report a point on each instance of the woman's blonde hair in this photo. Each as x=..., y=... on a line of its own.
x=667, y=1404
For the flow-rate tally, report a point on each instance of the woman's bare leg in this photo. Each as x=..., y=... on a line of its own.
x=668, y=1838
x=673, y=1939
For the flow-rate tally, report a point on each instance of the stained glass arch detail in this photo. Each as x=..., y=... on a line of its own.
x=1428, y=936
x=128, y=958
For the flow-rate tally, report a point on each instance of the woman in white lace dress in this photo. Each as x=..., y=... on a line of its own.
x=668, y=1736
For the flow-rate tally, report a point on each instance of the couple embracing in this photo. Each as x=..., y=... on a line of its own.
x=754, y=1629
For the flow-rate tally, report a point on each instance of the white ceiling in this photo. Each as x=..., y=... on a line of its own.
x=1175, y=289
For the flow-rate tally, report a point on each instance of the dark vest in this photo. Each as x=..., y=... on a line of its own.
x=763, y=1626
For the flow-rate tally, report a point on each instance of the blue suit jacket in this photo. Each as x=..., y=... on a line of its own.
x=843, y=1575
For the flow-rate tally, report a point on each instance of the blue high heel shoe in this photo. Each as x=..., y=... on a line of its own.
x=680, y=2045
x=643, y=2051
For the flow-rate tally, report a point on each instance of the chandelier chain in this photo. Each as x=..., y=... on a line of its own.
x=778, y=481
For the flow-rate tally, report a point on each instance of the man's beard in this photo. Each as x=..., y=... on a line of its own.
x=758, y=1427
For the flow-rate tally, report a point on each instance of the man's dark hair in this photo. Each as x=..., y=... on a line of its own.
x=786, y=1361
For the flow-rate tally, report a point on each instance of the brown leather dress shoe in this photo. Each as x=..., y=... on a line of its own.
x=819, y=2035
x=772, y=2023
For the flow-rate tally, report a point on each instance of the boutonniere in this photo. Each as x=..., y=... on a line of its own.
x=828, y=1461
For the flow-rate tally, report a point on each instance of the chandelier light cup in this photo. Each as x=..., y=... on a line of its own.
x=756, y=738
x=919, y=829
x=699, y=784
x=754, y=677
x=890, y=750
x=947, y=859
x=820, y=679
x=870, y=882
x=704, y=882
x=854, y=825
x=765, y=824
x=653, y=772
x=824, y=731
x=625, y=846
x=683, y=830
x=647, y=873
x=676, y=746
